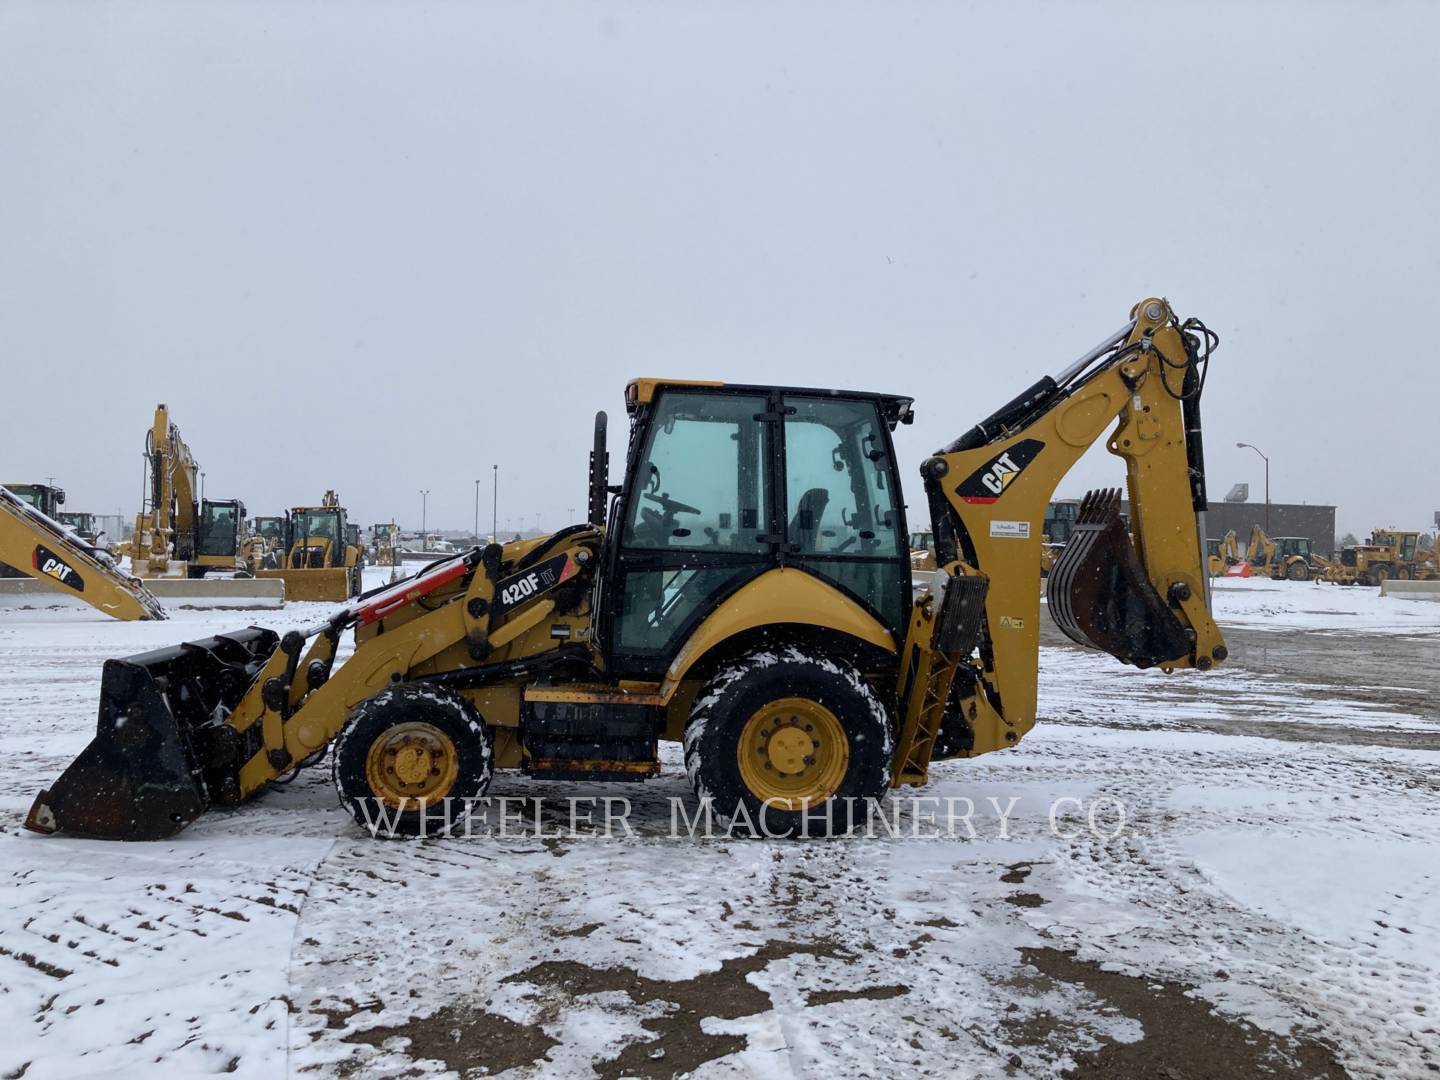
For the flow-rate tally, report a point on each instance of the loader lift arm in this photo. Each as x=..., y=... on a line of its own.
x=45, y=549
x=1146, y=604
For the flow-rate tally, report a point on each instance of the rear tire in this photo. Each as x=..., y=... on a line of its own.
x=1379, y=575
x=1298, y=571
x=792, y=743
x=1402, y=574
x=409, y=758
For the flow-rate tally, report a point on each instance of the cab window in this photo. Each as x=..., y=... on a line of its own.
x=843, y=524
x=700, y=479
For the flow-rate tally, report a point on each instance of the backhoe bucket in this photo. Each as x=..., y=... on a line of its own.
x=1100, y=596
x=162, y=752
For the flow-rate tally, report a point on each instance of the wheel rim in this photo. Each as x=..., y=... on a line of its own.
x=792, y=753
x=414, y=762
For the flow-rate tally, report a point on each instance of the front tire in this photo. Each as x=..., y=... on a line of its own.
x=792, y=744
x=1299, y=571
x=409, y=759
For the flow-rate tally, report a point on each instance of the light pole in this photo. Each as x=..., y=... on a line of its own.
x=495, y=505
x=1247, y=446
x=424, y=535
x=477, y=511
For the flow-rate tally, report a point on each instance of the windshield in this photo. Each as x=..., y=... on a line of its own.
x=317, y=524
x=25, y=493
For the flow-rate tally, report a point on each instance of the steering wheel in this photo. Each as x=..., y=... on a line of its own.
x=671, y=506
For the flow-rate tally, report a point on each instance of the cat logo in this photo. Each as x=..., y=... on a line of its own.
x=987, y=483
x=1001, y=473
x=52, y=566
x=1010, y=622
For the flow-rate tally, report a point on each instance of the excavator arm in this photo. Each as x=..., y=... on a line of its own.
x=972, y=653
x=45, y=549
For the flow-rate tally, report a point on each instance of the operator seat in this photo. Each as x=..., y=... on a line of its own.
x=805, y=525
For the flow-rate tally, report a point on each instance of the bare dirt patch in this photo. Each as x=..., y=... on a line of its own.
x=1184, y=1038
x=677, y=1044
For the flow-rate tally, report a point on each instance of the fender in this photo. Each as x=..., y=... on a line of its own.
x=776, y=596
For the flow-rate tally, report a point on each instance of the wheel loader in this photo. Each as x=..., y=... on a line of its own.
x=746, y=592
x=317, y=560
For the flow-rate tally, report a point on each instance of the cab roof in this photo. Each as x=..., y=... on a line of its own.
x=641, y=392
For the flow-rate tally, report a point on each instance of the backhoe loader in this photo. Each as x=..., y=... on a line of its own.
x=1222, y=554
x=746, y=592
x=383, y=540
x=41, y=547
x=1281, y=558
x=264, y=543
x=316, y=560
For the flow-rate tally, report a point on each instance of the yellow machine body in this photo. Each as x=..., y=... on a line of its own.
x=792, y=633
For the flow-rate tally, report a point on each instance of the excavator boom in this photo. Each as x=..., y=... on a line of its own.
x=42, y=547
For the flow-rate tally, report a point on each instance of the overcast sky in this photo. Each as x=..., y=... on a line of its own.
x=382, y=247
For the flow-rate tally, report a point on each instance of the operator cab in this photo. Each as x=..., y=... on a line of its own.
x=725, y=483
x=222, y=524
x=1289, y=546
x=42, y=497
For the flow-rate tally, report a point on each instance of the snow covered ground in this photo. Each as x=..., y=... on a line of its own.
x=1277, y=860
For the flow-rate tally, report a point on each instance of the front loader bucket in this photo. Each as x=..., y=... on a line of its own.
x=1100, y=596
x=161, y=751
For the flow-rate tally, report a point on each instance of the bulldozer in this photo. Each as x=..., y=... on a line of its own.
x=745, y=590
x=317, y=561
x=39, y=546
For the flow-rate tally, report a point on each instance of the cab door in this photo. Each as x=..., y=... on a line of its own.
x=845, y=518
x=696, y=520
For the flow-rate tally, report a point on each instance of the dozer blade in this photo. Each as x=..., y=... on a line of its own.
x=329, y=584
x=161, y=749
x=1100, y=596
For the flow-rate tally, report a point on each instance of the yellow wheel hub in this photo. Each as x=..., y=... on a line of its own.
x=793, y=752
x=414, y=762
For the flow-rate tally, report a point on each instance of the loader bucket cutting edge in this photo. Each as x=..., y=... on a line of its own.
x=144, y=775
x=1099, y=595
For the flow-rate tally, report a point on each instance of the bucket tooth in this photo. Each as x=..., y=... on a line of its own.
x=141, y=778
x=1100, y=596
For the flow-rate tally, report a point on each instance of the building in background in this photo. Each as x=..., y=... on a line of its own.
x=1286, y=519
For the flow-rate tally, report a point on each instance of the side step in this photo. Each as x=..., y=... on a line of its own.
x=589, y=733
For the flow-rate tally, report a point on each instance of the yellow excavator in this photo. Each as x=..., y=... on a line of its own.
x=36, y=544
x=746, y=592
x=178, y=532
x=317, y=559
